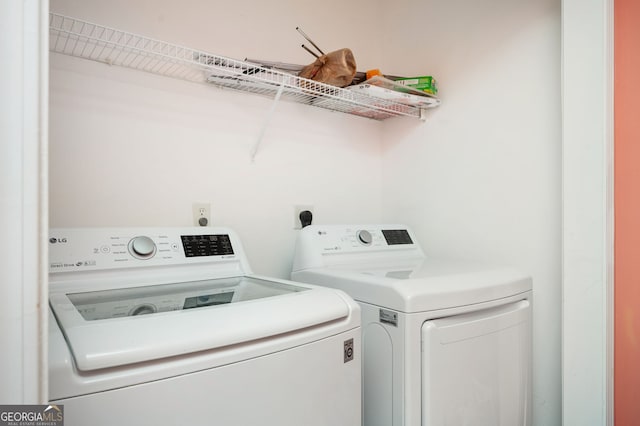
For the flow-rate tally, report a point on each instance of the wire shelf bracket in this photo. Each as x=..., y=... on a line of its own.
x=267, y=120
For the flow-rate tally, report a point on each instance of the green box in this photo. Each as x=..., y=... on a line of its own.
x=426, y=83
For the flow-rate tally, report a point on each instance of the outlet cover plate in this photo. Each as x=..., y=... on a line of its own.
x=297, y=209
x=201, y=211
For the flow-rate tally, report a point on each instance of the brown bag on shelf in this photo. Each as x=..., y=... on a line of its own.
x=335, y=68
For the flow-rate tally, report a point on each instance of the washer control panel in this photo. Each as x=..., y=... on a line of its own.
x=73, y=249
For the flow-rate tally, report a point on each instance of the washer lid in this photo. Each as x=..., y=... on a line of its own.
x=107, y=328
x=419, y=286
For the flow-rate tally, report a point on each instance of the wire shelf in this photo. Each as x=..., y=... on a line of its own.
x=95, y=42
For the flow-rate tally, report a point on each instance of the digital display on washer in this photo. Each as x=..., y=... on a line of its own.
x=153, y=299
x=396, y=236
x=206, y=245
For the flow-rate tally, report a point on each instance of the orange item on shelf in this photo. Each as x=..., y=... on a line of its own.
x=372, y=73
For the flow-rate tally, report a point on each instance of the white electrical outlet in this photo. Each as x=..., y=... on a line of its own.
x=297, y=209
x=201, y=214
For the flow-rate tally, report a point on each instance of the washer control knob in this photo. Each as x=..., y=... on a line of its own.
x=365, y=237
x=142, y=247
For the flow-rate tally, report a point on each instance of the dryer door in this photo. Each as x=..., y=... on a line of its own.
x=476, y=368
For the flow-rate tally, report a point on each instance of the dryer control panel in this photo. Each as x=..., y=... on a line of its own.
x=322, y=245
x=350, y=238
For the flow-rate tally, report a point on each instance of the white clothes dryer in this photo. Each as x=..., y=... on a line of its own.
x=444, y=342
x=164, y=327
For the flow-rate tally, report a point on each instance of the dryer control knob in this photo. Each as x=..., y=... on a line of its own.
x=365, y=237
x=142, y=247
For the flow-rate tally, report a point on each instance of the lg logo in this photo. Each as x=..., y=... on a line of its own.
x=54, y=240
x=348, y=350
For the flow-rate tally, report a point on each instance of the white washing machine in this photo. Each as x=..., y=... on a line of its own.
x=169, y=327
x=444, y=342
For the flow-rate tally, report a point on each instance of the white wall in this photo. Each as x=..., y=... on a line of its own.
x=133, y=149
x=481, y=178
